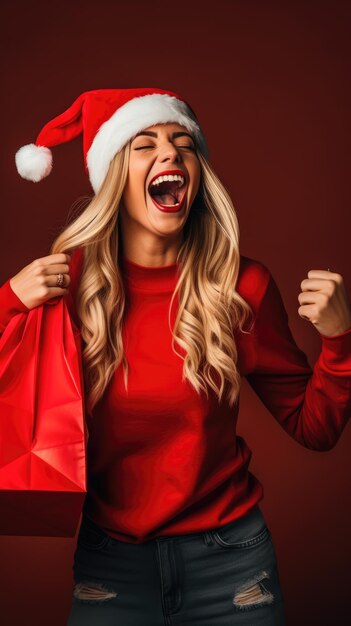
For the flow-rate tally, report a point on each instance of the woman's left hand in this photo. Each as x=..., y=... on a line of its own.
x=324, y=302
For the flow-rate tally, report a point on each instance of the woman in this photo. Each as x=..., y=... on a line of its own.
x=171, y=317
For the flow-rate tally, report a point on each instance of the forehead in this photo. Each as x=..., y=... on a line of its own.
x=164, y=129
x=169, y=126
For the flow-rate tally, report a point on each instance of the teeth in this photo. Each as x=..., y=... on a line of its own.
x=160, y=179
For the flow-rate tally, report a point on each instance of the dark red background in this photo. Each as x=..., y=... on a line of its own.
x=270, y=84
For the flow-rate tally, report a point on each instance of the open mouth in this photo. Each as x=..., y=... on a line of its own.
x=169, y=190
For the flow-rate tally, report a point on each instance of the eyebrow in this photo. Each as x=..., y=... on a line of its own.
x=150, y=133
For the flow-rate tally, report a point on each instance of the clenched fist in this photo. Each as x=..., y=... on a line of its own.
x=37, y=282
x=324, y=302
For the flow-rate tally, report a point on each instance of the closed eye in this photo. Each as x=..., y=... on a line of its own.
x=146, y=147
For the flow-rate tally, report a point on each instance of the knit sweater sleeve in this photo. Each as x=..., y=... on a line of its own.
x=313, y=405
x=10, y=305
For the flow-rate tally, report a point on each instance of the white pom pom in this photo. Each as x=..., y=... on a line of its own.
x=33, y=162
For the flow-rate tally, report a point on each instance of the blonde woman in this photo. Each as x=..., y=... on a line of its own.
x=171, y=316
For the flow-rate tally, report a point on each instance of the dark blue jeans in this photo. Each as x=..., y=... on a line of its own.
x=221, y=577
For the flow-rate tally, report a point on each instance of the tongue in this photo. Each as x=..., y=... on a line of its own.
x=166, y=199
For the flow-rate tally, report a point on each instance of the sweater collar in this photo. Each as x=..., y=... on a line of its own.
x=162, y=278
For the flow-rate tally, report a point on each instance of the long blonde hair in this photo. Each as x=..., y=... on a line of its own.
x=209, y=310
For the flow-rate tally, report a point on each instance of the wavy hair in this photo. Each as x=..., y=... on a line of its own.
x=209, y=308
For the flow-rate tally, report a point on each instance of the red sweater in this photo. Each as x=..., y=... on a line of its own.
x=163, y=460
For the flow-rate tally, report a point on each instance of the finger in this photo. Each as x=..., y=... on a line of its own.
x=315, y=284
x=312, y=297
x=307, y=312
x=308, y=297
x=303, y=312
x=56, y=269
x=60, y=257
x=320, y=273
x=58, y=291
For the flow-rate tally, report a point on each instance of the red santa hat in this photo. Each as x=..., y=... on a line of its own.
x=108, y=119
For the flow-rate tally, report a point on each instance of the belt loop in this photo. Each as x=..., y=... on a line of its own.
x=207, y=535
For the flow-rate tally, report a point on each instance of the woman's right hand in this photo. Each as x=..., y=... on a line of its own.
x=37, y=282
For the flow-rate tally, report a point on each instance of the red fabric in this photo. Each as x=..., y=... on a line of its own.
x=163, y=460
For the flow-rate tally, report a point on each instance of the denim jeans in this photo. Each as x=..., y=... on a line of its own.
x=220, y=577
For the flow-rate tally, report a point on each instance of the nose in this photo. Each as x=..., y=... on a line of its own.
x=169, y=153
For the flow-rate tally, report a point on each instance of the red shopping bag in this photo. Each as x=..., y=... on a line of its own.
x=43, y=433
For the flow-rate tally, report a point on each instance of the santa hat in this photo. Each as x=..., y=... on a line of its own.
x=108, y=119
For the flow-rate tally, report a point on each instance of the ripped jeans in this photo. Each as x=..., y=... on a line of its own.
x=220, y=577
